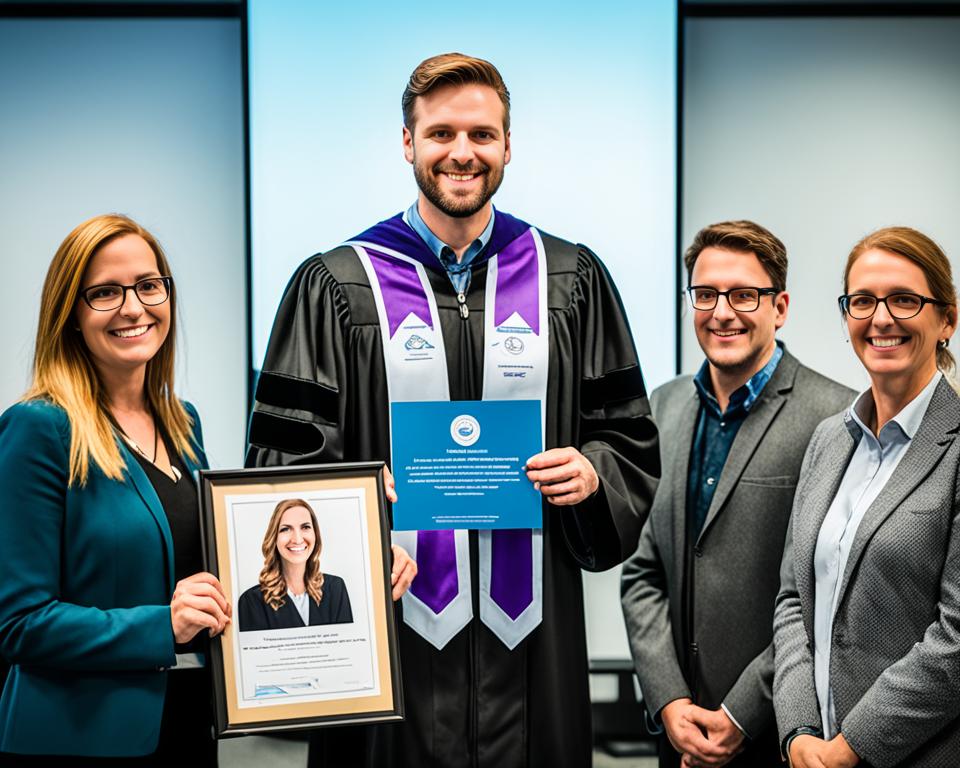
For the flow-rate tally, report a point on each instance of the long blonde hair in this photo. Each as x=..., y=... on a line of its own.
x=64, y=372
x=273, y=586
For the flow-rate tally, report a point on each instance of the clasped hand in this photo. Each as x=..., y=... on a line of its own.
x=810, y=752
x=704, y=737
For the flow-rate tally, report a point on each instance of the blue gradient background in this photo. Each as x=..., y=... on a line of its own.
x=593, y=88
x=143, y=117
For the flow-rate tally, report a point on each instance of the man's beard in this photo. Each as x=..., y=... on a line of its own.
x=454, y=206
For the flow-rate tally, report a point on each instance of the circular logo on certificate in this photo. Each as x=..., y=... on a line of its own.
x=465, y=430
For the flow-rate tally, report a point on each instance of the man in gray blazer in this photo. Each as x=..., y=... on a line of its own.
x=698, y=595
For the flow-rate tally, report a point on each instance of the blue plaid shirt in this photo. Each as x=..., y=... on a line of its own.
x=458, y=271
x=714, y=436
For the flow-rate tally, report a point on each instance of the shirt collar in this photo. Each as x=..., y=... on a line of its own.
x=444, y=253
x=907, y=420
x=744, y=397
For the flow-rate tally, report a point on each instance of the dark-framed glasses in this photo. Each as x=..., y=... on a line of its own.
x=902, y=305
x=705, y=297
x=150, y=291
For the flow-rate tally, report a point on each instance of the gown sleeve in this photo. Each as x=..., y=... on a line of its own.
x=298, y=406
x=617, y=432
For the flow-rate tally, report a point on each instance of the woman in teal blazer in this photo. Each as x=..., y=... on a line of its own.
x=100, y=593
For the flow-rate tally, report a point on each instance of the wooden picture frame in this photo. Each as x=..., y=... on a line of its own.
x=303, y=663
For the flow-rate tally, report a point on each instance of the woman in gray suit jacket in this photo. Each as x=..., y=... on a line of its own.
x=867, y=622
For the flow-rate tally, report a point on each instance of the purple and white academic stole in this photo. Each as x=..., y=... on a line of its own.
x=515, y=367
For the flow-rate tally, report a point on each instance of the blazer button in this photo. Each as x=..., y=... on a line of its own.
x=698, y=550
x=839, y=637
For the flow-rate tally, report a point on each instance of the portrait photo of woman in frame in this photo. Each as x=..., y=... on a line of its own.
x=293, y=590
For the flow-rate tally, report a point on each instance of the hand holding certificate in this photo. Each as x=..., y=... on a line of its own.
x=564, y=475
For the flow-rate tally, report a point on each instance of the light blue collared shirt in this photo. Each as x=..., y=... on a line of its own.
x=871, y=466
x=458, y=271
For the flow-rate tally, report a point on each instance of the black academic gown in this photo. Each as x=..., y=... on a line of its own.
x=254, y=614
x=322, y=397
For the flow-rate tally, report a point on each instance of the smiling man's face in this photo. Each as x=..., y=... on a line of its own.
x=458, y=148
x=736, y=342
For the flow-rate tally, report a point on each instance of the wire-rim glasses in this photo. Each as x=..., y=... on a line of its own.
x=150, y=291
x=744, y=299
x=901, y=305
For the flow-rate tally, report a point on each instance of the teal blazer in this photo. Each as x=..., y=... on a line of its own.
x=86, y=578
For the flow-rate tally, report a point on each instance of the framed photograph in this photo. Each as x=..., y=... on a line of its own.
x=303, y=553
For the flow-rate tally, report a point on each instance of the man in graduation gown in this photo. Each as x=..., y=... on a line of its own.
x=506, y=683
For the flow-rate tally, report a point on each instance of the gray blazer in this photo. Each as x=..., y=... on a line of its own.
x=720, y=652
x=895, y=657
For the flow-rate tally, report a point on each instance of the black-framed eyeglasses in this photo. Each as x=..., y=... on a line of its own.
x=902, y=305
x=705, y=297
x=150, y=291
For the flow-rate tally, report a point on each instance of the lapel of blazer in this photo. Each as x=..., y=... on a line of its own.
x=936, y=432
x=824, y=479
x=751, y=432
x=145, y=488
x=201, y=462
x=683, y=434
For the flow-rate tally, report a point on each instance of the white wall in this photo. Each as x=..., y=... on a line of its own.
x=821, y=130
x=142, y=117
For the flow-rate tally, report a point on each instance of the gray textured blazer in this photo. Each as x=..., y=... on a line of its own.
x=735, y=571
x=895, y=658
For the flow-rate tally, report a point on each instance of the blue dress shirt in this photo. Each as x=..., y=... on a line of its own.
x=871, y=466
x=714, y=436
x=458, y=271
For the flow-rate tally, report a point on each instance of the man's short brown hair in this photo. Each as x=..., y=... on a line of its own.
x=742, y=236
x=452, y=69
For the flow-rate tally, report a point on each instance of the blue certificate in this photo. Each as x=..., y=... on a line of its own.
x=460, y=464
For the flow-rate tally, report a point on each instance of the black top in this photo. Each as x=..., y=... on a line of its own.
x=182, y=508
x=253, y=613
